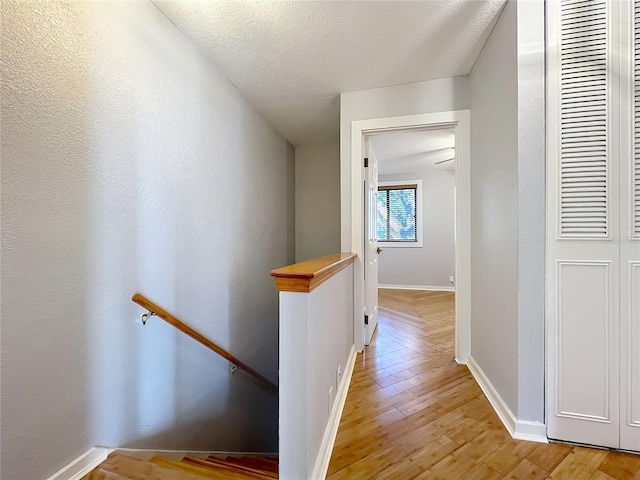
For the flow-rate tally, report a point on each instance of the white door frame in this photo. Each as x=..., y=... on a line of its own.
x=461, y=121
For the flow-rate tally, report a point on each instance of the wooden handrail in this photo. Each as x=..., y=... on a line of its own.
x=305, y=276
x=144, y=302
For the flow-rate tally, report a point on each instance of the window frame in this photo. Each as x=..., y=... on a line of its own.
x=419, y=214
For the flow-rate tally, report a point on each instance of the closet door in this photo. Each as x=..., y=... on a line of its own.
x=583, y=269
x=630, y=228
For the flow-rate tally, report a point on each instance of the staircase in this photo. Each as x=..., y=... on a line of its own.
x=122, y=467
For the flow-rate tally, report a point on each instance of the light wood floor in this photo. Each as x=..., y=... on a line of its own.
x=413, y=413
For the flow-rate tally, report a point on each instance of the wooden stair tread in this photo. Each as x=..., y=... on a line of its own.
x=215, y=462
x=118, y=466
x=99, y=474
x=202, y=470
x=122, y=467
x=260, y=463
x=271, y=460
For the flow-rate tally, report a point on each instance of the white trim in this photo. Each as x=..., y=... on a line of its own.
x=82, y=465
x=419, y=215
x=531, y=431
x=461, y=121
x=328, y=440
x=518, y=429
x=418, y=287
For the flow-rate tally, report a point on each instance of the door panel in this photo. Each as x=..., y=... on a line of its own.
x=371, y=243
x=630, y=230
x=583, y=306
x=584, y=359
x=583, y=387
x=586, y=384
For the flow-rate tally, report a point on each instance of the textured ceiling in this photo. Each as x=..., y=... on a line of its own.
x=292, y=59
x=415, y=151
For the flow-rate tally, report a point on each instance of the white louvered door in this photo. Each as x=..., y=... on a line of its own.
x=593, y=231
x=583, y=267
x=630, y=229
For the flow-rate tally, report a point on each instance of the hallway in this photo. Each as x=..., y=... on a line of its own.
x=413, y=413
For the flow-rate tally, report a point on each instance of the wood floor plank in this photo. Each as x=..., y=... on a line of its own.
x=599, y=475
x=548, y=457
x=503, y=460
x=621, y=465
x=526, y=470
x=413, y=413
x=370, y=465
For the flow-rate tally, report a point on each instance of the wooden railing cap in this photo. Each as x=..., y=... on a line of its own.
x=305, y=276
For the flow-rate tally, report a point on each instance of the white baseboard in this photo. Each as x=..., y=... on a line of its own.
x=446, y=288
x=328, y=440
x=531, y=431
x=82, y=465
x=518, y=429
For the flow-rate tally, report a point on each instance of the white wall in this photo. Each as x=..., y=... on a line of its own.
x=508, y=201
x=446, y=94
x=494, y=208
x=317, y=201
x=316, y=337
x=433, y=263
x=131, y=164
x=531, y=210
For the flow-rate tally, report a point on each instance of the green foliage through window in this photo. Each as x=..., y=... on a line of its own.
x=396, y=212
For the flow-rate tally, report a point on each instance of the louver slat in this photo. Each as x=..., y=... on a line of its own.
x=584, y=105
x=635, y=207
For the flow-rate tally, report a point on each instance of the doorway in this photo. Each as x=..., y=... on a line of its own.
x=459, y=122
x=410, y=220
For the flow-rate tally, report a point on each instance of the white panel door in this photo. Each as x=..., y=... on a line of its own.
x=583, y=267
x=371, y=248
x=630, y=229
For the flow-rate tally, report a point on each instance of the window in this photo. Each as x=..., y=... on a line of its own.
x=397, y=213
